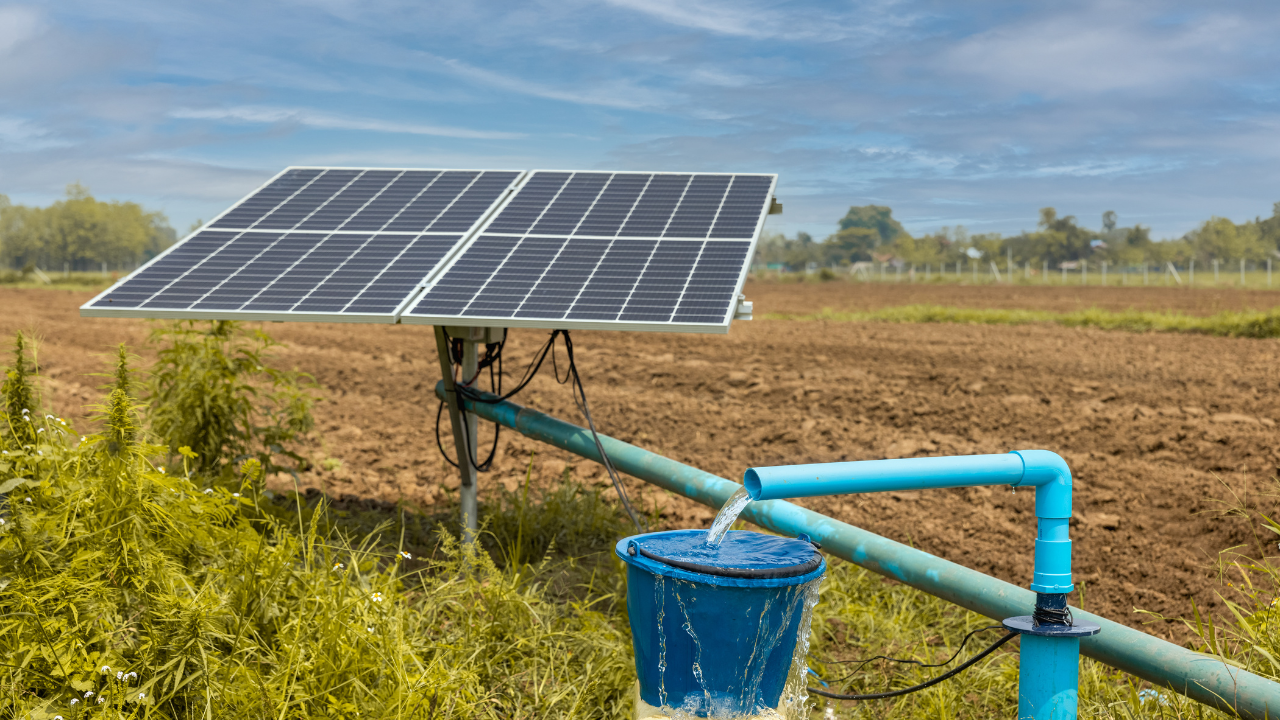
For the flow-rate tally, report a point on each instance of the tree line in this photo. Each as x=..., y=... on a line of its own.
x=80, y=233
x=870, y=233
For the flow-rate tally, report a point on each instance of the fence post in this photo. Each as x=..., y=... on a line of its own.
x=1084, y=272
x=1241, y=273
x=1268, y=272
x=1215, y=271
x=1104, y=273
x=1144, y=272
x=1191, y=279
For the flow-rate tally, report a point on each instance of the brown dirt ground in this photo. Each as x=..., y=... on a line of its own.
x=1156, y=427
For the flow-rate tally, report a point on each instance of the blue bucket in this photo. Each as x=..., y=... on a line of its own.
x=715, y=630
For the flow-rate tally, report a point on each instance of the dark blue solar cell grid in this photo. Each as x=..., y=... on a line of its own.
x=388, y=204
x=307, y=201
x=613, y=205
x=473, y=203
x=573, y=202
x=159, y=274
x=265, y=200
x=741, y=210
x=650, y=215
x=604, y=295
x=522, y=212
x=658, y=291
x=204, y=276
x=564, y=279
x=710, y=291
x=339, y=208
x=699, y=206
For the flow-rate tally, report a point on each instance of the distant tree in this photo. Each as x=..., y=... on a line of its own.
x=82, y=232
x=853, y=244
x=1109, y=220
x=873, y=217
x=1219, y=238
x=1269, y=229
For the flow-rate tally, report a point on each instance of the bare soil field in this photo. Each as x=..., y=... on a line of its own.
x=1158, y=428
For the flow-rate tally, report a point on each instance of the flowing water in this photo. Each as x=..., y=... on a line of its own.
x=727, y=516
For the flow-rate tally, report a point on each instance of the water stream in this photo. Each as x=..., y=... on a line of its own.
x=727, y=516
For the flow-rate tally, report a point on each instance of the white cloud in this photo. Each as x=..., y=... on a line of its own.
x=1102, y=48
x=17, y=25
x=327, y=121
x=20, y=134
x=621, y=94
x=741, y=20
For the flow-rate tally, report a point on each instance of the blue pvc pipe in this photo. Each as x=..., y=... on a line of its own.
x=1045, y=471
x=1201, y=677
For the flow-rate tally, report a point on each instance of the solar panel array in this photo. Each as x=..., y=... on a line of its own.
x=607, y=249
x=337, y=241
x=596, y=249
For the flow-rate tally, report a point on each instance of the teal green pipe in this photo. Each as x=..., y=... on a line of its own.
x=1198, y=676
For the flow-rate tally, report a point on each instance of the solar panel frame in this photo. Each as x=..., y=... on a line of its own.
x=720, y=326
x=462, y=241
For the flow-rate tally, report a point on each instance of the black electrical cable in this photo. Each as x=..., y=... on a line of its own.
x=907, y=661
x=580, y=391
x=915, y=688
x=493, y=355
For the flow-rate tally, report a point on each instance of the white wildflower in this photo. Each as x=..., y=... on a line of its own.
x=105, y=669
x=370, y=628
x=235, y=494
x=338, y=566
x=119, y=675
x=40, y=453
x=101, y=700
x=40, y=431
x=88, y=694
x=405, y=555
x=82, y=438
x=376, y=597
x=132, y=674
x=74, y=701
x=1, y=521
x=28, y=499
x=208, y=491
x=141, y=695
x=48, y=417
x=162, y=469
x=57, y=717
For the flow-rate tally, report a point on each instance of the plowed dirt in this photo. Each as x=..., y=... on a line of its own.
x=1157, y=428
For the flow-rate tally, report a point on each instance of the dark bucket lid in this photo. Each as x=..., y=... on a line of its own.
x=744, y=555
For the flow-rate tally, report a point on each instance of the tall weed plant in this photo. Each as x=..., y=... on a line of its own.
x=213, y=390
x=134, y=589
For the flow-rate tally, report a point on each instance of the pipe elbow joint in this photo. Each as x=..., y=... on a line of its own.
x=1049, y=474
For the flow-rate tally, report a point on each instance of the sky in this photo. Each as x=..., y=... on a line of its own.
x=951, y=113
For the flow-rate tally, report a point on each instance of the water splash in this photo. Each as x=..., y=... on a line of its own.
x=660, y=599
x=727, y=516
x=795, y=694
x=697, y=657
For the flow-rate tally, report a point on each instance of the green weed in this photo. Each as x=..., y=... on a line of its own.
x=214, y=391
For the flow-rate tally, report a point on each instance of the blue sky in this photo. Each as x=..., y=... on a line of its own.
x=973, y=113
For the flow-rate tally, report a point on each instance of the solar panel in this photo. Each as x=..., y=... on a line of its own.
x=625, y=250
x=347, y=244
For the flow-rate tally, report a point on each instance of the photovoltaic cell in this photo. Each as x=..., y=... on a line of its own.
x=607, y=248
x=336, y=241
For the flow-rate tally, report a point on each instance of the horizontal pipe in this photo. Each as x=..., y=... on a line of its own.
x=842, y=478
x=1045, y=471
x=1200, y=677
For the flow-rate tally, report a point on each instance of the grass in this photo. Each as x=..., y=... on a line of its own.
x=59, y=281
x=1228, y=277
x=1230, y=324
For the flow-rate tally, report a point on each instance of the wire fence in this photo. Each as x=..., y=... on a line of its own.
x=1238, y=274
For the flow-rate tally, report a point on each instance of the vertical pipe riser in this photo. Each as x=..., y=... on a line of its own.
x=1048, y=676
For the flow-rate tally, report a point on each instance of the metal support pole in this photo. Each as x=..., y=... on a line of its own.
x=466, y=455
x=1193, y=273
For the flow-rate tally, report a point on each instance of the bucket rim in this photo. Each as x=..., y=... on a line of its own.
x=656, y=567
